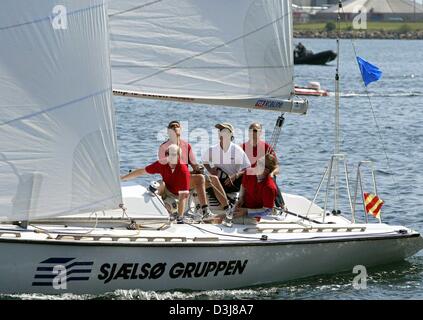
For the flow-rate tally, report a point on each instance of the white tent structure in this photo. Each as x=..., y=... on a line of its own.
x=379, y=9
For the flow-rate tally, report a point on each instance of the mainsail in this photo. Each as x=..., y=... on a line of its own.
x=236, y=53
x=58, y=149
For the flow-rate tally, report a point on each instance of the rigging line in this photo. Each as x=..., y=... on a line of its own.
x=134, y=8
x=82, y=233
x=15, y=170
x=50, y=109
x=383, y=146
x=337, y=111
x=201, y=67
x=376, y=123
x=276, y=132
x=169, y=67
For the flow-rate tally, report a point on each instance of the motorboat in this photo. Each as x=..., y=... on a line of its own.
x=312, y=89
x=304, y=56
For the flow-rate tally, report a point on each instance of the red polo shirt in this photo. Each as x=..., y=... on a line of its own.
x=187, y=155
x=255, y=153
x=176, y=181
x=259, y=194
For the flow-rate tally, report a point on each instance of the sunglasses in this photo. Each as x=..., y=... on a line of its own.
x=171, y=154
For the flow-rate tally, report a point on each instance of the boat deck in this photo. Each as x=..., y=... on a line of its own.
x=268, y=230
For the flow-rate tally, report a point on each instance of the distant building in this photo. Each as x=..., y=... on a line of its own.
x=314, y=3
x=306, y=3
x=377, y=10
x=304, y=10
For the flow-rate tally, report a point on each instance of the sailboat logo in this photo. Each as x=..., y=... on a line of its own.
x=268, y=104
x=57, y=272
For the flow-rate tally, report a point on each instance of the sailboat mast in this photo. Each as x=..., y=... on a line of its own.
x=337, y=98
x=337, y=107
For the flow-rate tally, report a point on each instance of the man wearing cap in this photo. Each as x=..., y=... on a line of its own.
x=226, y=160
x=176, y=178
x=197, y=181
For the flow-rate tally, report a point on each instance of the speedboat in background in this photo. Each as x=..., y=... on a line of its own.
x=312, y=89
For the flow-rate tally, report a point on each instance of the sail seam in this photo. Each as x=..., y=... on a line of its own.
x=134, y=8
x=171, y=66
x=57, y=107
x=205, y=67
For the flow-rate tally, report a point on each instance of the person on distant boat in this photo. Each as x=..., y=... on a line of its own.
x=258, y=192
x=198, y=181
x=175, y=175
x=255, y=148
x=300, y=50
x=226, y=162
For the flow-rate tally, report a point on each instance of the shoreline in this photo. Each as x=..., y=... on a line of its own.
x=356, y=34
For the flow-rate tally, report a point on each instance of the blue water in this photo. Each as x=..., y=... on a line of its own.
x=305, y=147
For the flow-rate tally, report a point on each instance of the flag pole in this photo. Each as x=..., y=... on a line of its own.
x=337, y=107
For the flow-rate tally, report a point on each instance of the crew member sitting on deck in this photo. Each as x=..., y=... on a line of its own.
x=176, y=178
x=226, y=161
x=255, y=148
x=300, y=50
x=197, y=181
x=258, y=192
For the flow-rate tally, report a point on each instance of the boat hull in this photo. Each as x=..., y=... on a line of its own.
x=77, y=267
x=320, y=58
x=305, y=91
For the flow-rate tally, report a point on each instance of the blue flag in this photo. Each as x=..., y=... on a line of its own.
x=369, y=72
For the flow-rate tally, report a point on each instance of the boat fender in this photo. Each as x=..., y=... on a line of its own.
x=263, y=238
x=402, y=231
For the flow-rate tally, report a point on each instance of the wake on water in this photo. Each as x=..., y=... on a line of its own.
x=379, y=95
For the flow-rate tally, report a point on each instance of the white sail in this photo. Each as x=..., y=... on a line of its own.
x=58, y=150
x=236, y=52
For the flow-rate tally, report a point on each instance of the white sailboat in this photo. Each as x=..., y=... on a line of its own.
x=67, y=225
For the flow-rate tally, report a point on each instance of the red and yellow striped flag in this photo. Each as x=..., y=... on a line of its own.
x=373, y=204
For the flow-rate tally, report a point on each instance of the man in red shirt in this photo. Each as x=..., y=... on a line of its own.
x=258, y=191
x=197, y=181
x=256, y=148
x=175, y=175
x=174, y=130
